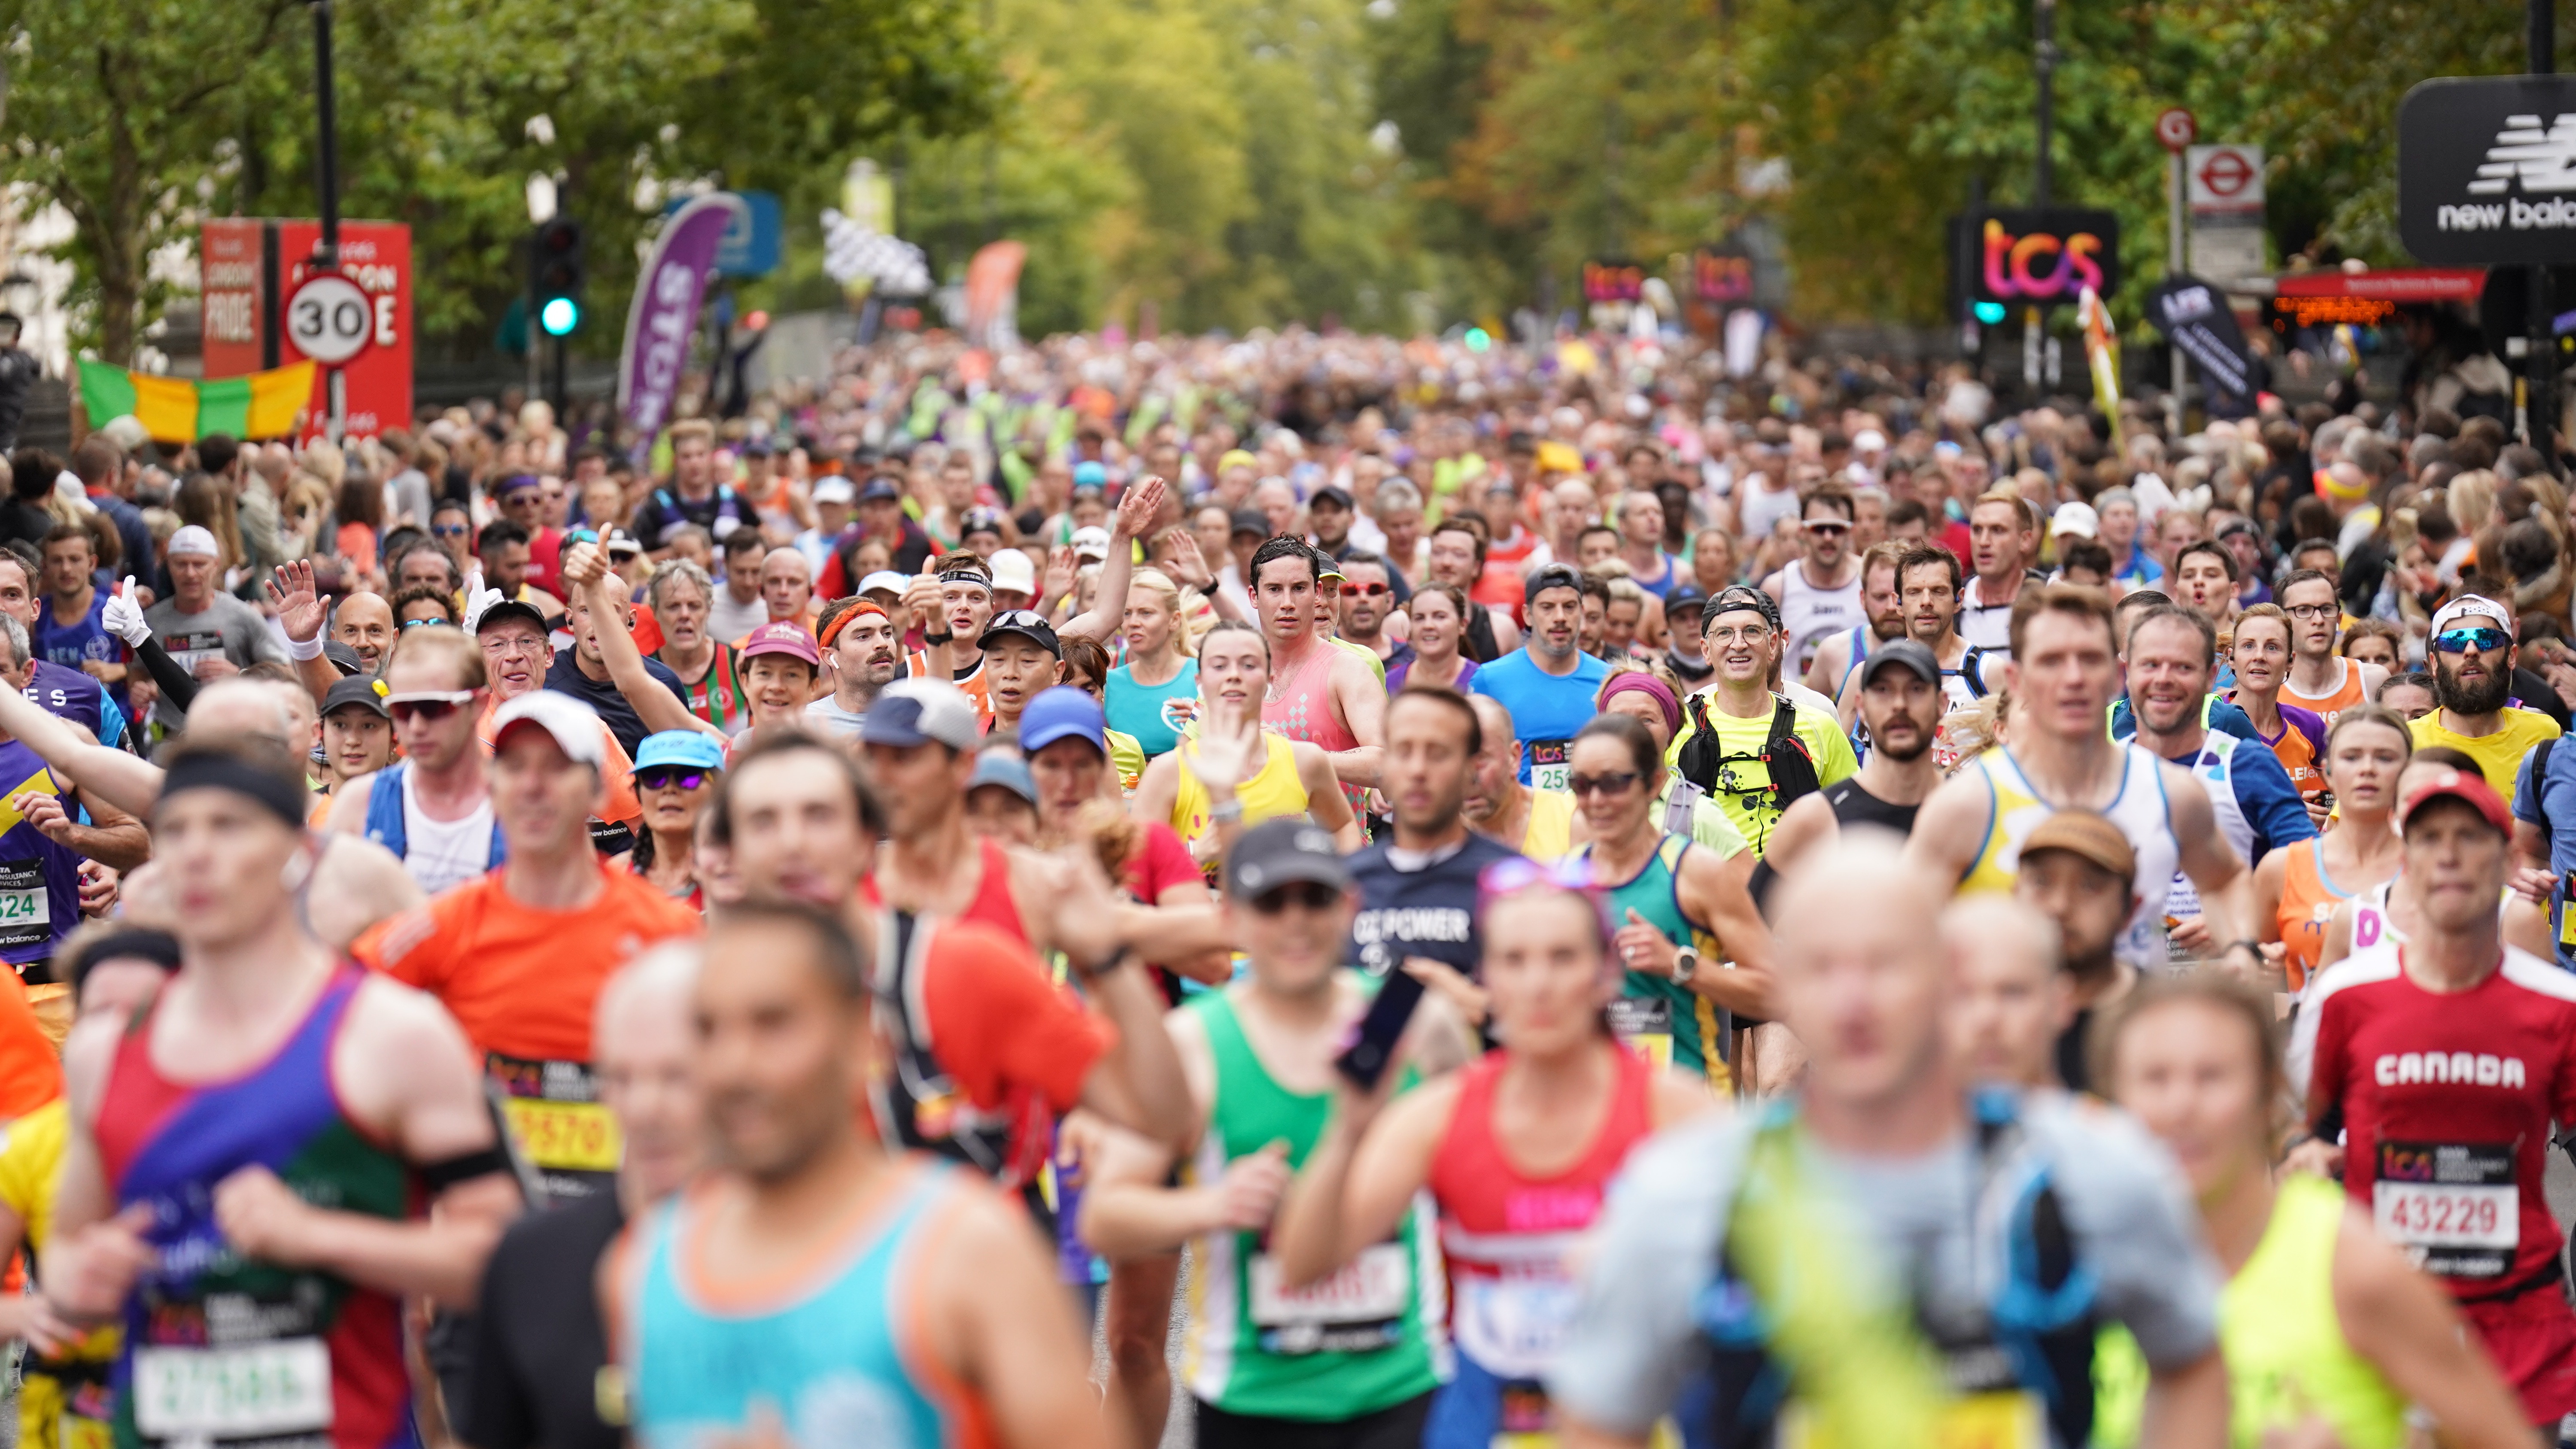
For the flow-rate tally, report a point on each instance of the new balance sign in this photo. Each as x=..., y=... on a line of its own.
x=2486, y=170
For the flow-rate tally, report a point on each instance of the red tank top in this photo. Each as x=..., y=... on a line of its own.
x=1506, y=1233
x=993, y=904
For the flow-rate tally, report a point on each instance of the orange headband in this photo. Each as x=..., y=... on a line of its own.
x=842, y=620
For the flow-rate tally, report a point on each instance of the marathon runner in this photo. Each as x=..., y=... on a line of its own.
x=677, y=774
x=1928, y=588
x=2079, y=871
x=69, y=629
x=2260, y=653
x=2321, y=681
x=2446, y=1056
x=1686, y=808
x=61, y=689
x=820, y=1288
x=1318, y=693
x=1536, y=823
x=1688, y=936
x=260, y=1144
x=2063, y=668
x=2011, y=998
x=1417, y=884
x=2387, y=912
x=1517, y=1152
x=2472, y=650
x=1901, y=705
x=1237, y=774
x=1882, y=611
x=1457, y=558
x=518, y=955
x=433, y=807
x=951, y=605
x=681, y=595
x=1356, y=1360
x=865, y=655
x=781, y=667
x=1548, y=684
x=1752, y=747
x=357, y=737
x=2297, y=890
x=1818, y=591
x=542, y=1373
x=1875, y=1192
x=2324, y=1324
x=2003, y=541
x=1022, y=656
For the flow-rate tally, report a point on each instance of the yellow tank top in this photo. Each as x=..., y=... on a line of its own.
x=2140, y=810
x=2283, y=1342
x=1550, y=835
x=1275, y=791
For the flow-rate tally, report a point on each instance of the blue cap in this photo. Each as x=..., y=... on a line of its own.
x=993, y=767
x=680, y=747
x=1063, y=712
x=1090, y=475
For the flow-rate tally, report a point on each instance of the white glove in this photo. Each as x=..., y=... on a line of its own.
x=124, y=617
x=477, y=599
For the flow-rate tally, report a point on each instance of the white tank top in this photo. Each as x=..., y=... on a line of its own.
x=442, y=854
x=1988, y=626
x=1808, y=614
x=1758, y=510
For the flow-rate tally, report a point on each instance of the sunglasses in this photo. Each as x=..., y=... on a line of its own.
x=417, y=623
x=1826, y=525
x=1354, y=591
x=1306, y=895
x=667, y=778
x=2461, y=641
x=431, y=707
x=1616, y=783
x=449, y=530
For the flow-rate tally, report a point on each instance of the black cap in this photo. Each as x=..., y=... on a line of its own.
x=1741, y=596
x=982, y=520
x=1550, y=576
x=758, y=446
x=510, y=609
x=1282, y=852
x=1338, y=497
x=877, y=490
x=1252, y=521
x=365, y=693
x=1684, y=602
x=1029, y=624
x=1904, y=652
x=344, y=658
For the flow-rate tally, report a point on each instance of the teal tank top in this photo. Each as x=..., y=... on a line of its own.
x=831, y=1357
x=1369, y=1337
x=1143, y=710
x=1666, y=1021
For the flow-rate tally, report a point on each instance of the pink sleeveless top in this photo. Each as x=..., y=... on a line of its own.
x=1304, y=711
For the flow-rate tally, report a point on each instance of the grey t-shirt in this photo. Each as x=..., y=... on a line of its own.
x=226, y=627
x=828, y=714
x=1635, y=1338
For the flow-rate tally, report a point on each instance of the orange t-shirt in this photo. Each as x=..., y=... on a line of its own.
x=30, y=1073
x=1000, y=1024
x=521, y=981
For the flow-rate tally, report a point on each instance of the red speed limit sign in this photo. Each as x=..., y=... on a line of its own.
x=2176, y=129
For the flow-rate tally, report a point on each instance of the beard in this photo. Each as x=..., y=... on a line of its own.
x=2461, y=696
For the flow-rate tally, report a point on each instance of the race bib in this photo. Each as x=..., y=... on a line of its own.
x=1526, y=1420
x=1645, y=1023
x=557, y=1121
x=1550, y=763
x=2006, y=1420
x=2454, y=1207
x=2182, y=902
x=26, y=908
x=1511, y=1326
x=1359, y=1308
x=247, y=1391
x=1179, y=712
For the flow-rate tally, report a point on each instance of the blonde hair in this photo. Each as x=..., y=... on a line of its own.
x=1158, y=583
x=446, y=639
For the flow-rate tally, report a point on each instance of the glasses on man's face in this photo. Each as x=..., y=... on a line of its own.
x=2312, y=613
x=448, y=530
x=1306, y=895
x=497, y=645
x=660, y=777
x=1739, y=633
x=419, y=623
x=1371, y=591
x=2461, y=641
x=1827, y=525
x=1614, y=783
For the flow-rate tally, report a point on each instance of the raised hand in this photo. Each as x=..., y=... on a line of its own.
x=1138, y=506
x=123, y=616
x=300, y=611
x=1063, y=569
x=1230, y=748
x=1186, y=564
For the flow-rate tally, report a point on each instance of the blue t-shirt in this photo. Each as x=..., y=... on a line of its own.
x=2550, y=803
x=1546, y=708
x=72, y=643
x=1138, y=709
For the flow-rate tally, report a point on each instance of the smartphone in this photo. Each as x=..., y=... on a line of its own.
x=1372, y=1048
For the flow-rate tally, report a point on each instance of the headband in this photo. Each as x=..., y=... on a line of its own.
x=979, y=579
x=842, y=620
x=135, y=943
x=1651, y=687
x=223, y=772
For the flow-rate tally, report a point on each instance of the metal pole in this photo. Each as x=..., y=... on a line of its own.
x=2540, y=406
x=326, y=252
x=530, y=333
x=2044, y=59
x=2174, y=268
x=563, y=347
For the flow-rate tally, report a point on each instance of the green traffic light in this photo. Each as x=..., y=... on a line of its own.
x=559, y=316
x=1990, y=313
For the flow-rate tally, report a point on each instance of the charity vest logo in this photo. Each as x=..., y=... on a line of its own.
x=2014, y=264
x=2479, y=1069
x=2539, y=161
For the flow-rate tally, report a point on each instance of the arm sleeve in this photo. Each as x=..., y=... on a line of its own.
x=997, y=1022
x=178, y=686
x=2269, y=800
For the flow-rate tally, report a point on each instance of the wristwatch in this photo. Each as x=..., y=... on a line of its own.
x=1685, y=963
x=934, y=640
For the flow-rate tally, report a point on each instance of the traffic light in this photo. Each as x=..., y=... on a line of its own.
x=555, y=276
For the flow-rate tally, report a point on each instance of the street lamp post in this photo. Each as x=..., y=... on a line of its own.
x=2044, y=61
x=326, y=252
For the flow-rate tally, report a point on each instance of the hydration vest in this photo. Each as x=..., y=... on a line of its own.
x=385, y=824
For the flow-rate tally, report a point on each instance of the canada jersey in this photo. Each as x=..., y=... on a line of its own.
x=2447, y=1101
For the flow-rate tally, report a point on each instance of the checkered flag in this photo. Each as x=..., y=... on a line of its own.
x=853, y=254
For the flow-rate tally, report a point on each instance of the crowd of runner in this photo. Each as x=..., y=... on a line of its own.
x=1508, y=895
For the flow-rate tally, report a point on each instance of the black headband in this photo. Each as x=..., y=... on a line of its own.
x=968, y=576
x=223, y=772
x=133, y=943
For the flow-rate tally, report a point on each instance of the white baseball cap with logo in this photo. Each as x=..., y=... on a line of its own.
x=194, y=541
x=573, y=724
x=2472, y=606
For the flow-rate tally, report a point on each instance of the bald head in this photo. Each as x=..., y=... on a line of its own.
x=240, y=706
x=2009, y=998
x=643, y=1035
x=365, y=622
x=1863, y=989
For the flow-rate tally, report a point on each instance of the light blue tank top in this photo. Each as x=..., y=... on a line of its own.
x=1137, y=709
x=830, y=1361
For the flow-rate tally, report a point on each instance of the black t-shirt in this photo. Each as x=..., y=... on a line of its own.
x=2070, y=1053
x=565, y=677
x=541, y=1348
x=1428, y=912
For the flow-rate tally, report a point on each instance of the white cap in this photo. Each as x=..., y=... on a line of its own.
x=1013, y=571
x=887, y=579
x=2076, y=519
x=572, y=723
x=1868, y=440
x=1091, y=543
x=194, y=541
x=835, y=490
x=2472, y=606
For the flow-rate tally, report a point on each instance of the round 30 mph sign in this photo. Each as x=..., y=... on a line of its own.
x=329, y=319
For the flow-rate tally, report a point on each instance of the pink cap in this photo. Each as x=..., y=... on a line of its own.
x=781, y=637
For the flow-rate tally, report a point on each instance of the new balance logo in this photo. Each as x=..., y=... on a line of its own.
x=2541, y=160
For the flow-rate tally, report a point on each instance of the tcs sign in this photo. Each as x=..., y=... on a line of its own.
x=2045, y=257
